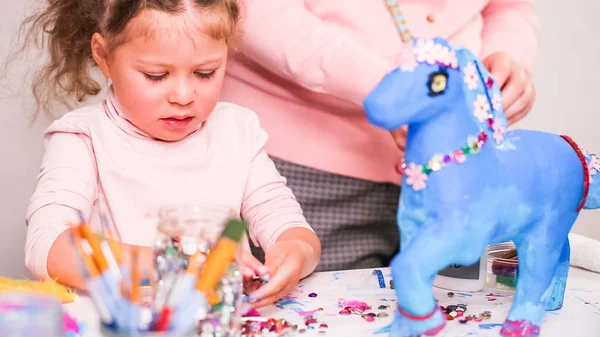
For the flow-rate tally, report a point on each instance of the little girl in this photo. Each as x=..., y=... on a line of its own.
x=159, y=137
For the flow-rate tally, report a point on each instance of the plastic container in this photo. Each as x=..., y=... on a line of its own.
x=502, y=266
x=26, y=315
x=463, y=278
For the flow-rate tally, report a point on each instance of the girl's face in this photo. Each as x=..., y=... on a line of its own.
x=168, y=74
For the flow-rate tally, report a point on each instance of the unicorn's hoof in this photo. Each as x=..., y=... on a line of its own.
x=435, y=331
x=521, y=328
x=554, y=305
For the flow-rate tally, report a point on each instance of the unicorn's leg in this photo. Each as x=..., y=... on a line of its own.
x=538, y=260
x=409, y=221
x=556, y=292
x=414, y=269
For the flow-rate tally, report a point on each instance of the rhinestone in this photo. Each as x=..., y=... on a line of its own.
x=435, y=163
x=459, y=156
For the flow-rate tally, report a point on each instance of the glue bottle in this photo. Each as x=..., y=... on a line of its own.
x=463, y=278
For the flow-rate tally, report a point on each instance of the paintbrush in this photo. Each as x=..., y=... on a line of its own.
x=113, y=238
x=134, y=294
x=114, y=301
x=94, y=285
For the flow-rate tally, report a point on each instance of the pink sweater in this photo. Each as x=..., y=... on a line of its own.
x=94, y=154
x=306, y=66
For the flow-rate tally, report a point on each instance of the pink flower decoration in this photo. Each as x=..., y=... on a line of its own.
x=406, y=59
x=415, y=177
x=498, y=131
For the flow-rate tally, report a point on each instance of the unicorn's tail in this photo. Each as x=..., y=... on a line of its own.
x=591, y=166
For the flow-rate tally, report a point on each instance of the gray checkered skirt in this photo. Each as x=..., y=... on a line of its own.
x=355, y=219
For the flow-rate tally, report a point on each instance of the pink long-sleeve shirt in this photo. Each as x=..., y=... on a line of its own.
x=96, y=162
x=305, y=66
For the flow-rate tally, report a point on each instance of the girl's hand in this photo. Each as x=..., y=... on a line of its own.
x=250, y=266
x=518, y=91
x=286, y=261
x=399, y=136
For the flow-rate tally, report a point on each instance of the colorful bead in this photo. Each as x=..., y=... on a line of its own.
x=459, y=156
x=435, y=163
x=489, y=83
x=466, y=150
x=482, y=137
x=312, y=295
x=447, y=159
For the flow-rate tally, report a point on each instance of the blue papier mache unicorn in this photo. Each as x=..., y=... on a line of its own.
x=468, y=183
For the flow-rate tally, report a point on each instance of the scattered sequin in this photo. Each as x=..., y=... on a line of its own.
x=312, y=295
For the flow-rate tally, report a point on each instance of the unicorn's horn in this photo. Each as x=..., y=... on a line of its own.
x=399, y=19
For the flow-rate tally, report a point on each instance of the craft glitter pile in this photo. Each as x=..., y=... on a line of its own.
x=457, y=312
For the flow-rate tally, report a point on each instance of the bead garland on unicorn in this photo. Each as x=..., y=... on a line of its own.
x=469, y=182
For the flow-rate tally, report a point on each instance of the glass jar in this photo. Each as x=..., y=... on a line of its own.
x=502, y=266
x=24, y=315
x=186, y=231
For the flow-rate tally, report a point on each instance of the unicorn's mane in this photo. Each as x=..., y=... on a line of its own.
x=482, y=94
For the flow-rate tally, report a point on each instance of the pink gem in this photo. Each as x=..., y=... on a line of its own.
x=482, y=137
x=459, y=156
x=459, y=313
x=401, y=168
x=489, y=83
x=490, y=122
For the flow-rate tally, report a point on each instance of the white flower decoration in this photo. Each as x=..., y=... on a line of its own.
x=497, y=102
x=453, y=59
x=593, y=166
x=471, y=76
x=498, y=131
x=426, y=51
x=481, y=107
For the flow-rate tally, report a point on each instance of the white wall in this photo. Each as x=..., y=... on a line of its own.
x=566, y=75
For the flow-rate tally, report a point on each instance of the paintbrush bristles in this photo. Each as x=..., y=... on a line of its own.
x=398, y=17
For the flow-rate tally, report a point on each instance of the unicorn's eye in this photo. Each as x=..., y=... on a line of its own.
x=438, y=82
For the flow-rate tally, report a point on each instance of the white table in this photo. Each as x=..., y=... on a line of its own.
x=579, y=317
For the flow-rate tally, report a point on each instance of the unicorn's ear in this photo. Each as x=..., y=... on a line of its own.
x=490, y=88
